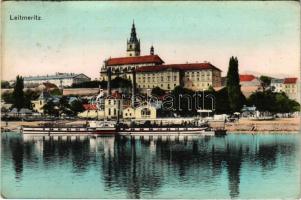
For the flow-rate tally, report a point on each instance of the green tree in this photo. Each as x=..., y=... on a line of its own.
x=119, y=82
x=76, y=107
x=50, y=109
x=235, y=96
x=265, y=81
x=64, y=107
x=8, y=97
x=157, y=91
x=273, y=102
x=5, y=84
x=18, y=94
x=222, y=101
x=29, y=95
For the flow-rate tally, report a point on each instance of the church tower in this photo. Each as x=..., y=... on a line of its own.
x=133, y=45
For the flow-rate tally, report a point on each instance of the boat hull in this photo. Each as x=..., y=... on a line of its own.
x=68, y=131
x=165, y=131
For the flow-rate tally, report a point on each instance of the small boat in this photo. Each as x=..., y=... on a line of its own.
x=91, y=128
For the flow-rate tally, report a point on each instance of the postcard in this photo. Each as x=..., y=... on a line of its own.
x=150, y=99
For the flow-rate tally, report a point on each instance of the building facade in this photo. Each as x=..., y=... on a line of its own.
x=277, y=85
x=291, y=88
x=59, y=79
x=195, y=76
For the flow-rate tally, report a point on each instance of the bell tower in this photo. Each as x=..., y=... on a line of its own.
x=133, y=44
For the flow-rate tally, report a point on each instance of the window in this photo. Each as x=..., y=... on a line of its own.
x=145, y=112
x=109, y=102
x=175, y=78
x=161, y=78
x=114, y=111
x=109, y=111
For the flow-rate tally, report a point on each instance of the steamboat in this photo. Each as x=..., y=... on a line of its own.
x=102, y=128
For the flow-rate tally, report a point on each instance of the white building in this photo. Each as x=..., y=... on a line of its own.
x=277, y=85
x=59, y=79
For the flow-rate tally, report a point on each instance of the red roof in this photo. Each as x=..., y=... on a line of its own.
x=90, y=106
x=246, y=77
x=290, y=80
x=191, y=66
x=115, y=95
x=135, y=60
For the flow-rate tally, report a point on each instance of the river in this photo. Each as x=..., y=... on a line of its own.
x=234, y=166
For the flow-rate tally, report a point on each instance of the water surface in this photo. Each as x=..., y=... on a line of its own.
x=234, y=166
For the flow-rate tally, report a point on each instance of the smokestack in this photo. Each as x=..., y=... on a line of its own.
x=133, y=87
x=109, y=73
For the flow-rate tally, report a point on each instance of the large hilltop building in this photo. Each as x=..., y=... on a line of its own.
x=152, y=72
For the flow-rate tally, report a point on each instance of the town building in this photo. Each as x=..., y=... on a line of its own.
x=277, y=85
x=195, y=76
x=249, y=84
x=143, y=112
x=291, y=88
x=113, y=106
x=59, y=79
x=151, y=71
x=38, y=104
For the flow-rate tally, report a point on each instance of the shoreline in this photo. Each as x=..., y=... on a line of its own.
x=243, y=126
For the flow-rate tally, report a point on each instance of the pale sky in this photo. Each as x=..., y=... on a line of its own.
x=78, y=36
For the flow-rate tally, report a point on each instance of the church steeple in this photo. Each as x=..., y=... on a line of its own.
x=133, y=45
x=152, y=50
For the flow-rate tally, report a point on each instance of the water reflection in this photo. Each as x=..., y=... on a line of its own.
x=142, y=166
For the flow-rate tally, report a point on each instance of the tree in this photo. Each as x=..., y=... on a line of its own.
x=5, y=84
x=50, y=109
x=119, y=82
x=77, y=107
x=235, y=95
x=18, y=94
x=157, y=91
x=64, y=107
x=222, y=101
x=8, y=97
x=273, y=102
x=29, y=95
x=265, y=81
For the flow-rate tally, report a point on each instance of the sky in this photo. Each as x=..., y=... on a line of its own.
x=78, y=36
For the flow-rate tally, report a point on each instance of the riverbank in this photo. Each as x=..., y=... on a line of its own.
x=242, y=126
x=276, y=125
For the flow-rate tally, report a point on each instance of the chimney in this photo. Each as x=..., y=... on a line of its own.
x=109, y=73
x=133, y=87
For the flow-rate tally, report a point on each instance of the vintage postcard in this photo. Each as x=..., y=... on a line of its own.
x=150, y=100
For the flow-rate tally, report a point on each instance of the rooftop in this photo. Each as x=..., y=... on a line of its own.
x=51, y=77
x=246, y=77
x=191, y=66
x=290, y=80
x=135, y=60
